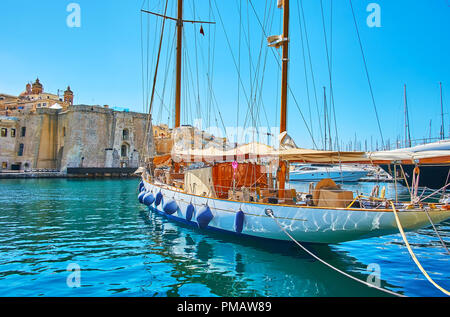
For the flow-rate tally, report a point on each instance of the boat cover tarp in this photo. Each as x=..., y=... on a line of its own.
x=404, y=155
x=241, y=153
x=186, y=150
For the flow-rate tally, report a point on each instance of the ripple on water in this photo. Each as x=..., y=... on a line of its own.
x=123, y=250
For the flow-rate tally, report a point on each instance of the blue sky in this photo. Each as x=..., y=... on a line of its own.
x=101, y=61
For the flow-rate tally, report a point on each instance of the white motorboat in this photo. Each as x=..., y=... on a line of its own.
x=316, y=172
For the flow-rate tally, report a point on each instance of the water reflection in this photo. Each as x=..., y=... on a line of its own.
x=233, y=266
x=124, y=250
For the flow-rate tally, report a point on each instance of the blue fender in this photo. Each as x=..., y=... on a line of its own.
x=204, y=217
x=158, y=199
x=190, y=212
x=170, y=207
x=148, y=199
x=141, y=196
x=141, y=185
x=239, y=221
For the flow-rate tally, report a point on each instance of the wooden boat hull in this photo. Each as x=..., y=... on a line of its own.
x=305, y=224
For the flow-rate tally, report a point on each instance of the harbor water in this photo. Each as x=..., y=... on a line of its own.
x=50, y=228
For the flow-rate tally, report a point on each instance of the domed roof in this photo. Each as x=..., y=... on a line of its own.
x=37, y=83
x=68, y=91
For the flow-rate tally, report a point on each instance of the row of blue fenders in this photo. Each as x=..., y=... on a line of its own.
x=170, y=207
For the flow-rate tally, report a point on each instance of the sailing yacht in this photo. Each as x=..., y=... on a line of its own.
x=232, y=190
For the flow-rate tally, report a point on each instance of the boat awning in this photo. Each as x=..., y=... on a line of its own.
x=241, y=153
x=377, y=158
x=326, y=157
x=162, y=160
x=408, y=157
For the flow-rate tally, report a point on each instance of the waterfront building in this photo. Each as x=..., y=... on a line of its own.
x=40, y=131
x=34, y=97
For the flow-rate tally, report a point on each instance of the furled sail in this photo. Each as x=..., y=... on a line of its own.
x=275, y=41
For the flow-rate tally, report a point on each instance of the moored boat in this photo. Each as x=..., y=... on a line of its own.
x=232, y=189
x=305, y=223
x=316, y=172
x=433, y=174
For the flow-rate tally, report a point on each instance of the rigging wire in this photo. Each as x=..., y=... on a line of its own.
x=306, y=73
x=367, y=73
x=300, y=6
x=289, y=87
x=148, y=121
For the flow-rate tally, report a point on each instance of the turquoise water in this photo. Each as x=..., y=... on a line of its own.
x=123, y=250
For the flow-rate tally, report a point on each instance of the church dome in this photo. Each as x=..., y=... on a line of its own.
x=37, y=87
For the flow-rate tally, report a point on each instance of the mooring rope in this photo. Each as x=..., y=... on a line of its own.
x=413, y=256
x=437, y=232
x=269, y=212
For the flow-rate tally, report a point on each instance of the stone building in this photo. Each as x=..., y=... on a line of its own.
x=80, y=136
x=44, y=131
x=34, y=97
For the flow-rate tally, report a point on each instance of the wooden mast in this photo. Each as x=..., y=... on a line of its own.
x=178, y=71
x=285, y=62
x=284, y=89
x=180, y=22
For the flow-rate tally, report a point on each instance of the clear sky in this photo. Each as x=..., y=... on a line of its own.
x=102, y=61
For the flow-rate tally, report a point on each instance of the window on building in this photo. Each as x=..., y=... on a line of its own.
x=4, y=165
x=4, y=132
x=124, y=150
x=125, y=134
x=64, y=131
x=20, y=150
x=23, y=132
x=13, y=133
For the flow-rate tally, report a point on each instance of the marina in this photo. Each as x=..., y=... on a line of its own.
x=244, y=149
x=124, y=250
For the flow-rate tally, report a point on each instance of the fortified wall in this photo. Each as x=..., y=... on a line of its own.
x=79, y=136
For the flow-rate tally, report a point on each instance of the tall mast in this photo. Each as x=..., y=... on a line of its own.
x=179, y=20
x=284, y=85
x=285, y=62
x=179, y=54
x=407, y=131
x=325, y=116
x=442, y=114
